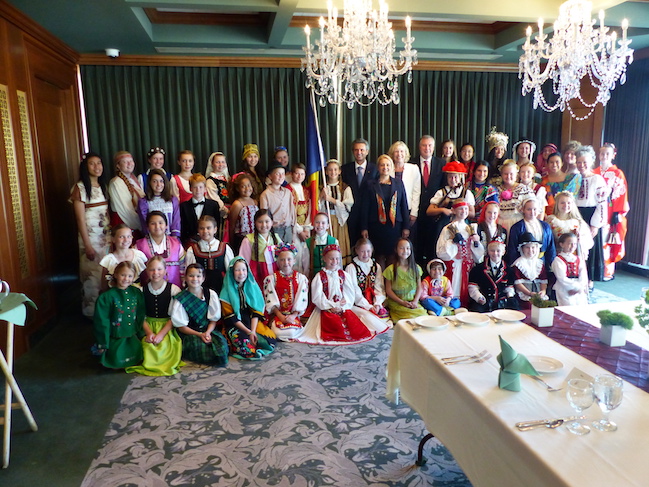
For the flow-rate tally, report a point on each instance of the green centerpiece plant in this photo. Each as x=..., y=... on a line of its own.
x=542, y=311
x=642, y=310
x=614, y=327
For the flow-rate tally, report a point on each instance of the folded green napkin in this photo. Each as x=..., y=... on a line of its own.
x=512, y=365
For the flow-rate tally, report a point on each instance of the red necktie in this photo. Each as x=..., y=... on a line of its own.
x=426, y=173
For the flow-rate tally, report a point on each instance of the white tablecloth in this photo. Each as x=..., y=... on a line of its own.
x=463, y=407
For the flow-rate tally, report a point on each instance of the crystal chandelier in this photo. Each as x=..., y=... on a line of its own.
x=355, y=63
x=576, y=49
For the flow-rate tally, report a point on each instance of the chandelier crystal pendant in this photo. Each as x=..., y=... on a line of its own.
x=577, y=49
x=355, y=63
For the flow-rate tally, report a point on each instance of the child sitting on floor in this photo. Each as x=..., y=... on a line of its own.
x=437, y=291
x=243, y=314
x=530, y=277
x=490, y=283
x=369, y=276
x=194, y=313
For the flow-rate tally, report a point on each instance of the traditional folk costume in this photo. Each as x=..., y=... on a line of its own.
x=215, y=258
x=431, y=288
x=494, y=282
x=216, y=187
x=571, y=183
x=302, y=201
x=316, y=245
x=281, y=205
x=489, y=233
x=121, y=192
x=459, y=255
x=510, y=201
x=98, y=227
x=483, y=193
x=164, y=358
x=592, y=203
x=614, y=231
x=244, y=225
x=181, y=188
x=109, y=262
x=404, y=285
x=572, y=275
x=354, y=324
x=191, y=311
x=171, y=251
x=541, y=232
x=289, y=294
x=169, y=208
x=119, y=314
x=338, y=215
x=260, y=254
x=531, y=274
x=577, y=226
x=241, y=303
x=369, y=277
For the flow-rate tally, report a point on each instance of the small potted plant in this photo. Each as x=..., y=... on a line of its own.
x=614, y=327
x=642, y=310
x=542, y=311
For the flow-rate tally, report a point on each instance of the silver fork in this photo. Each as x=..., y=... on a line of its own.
x=473, y=361
x=462, y=358
x=549, y=387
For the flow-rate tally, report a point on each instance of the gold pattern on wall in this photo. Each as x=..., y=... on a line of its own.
x=32, y=178
x=14, y=188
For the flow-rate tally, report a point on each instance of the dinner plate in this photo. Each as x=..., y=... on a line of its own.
x=508, y=315
x=545, y=365
x=433, y=322
x=472, y=319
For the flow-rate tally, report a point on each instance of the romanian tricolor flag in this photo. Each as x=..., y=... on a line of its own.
x=314, y=154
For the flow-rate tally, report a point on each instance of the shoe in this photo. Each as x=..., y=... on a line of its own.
x=608, y=278
x=432, y=313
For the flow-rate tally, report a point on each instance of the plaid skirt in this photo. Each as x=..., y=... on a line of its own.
x=213, y=353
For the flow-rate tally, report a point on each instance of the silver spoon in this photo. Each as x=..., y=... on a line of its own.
x=555, y=423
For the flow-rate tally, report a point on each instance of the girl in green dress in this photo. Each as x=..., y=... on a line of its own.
x=119, y=314
x=161, y=344
x=403, y=284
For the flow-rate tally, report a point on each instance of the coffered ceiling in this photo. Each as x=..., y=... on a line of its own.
x=476, y=31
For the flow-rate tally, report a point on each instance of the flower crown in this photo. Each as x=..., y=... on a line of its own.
x=285, y=247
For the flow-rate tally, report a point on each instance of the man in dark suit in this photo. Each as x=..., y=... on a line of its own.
x=356, y=175
x=191, y=210
x=430, y=168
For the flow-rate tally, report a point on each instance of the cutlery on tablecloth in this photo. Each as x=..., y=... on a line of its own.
x=476, y=360
x=548, y=386
x=466, y=356
x=548, y=423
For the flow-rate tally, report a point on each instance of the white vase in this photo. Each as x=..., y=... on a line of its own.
x=542, y=317
x=613, y=336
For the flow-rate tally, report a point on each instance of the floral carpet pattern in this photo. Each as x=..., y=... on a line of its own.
x=305, y=416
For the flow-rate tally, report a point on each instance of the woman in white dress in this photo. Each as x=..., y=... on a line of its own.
x=89, y=198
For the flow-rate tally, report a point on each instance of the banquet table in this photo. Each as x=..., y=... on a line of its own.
x=464, y=408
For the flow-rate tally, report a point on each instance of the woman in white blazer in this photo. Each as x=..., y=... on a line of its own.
x=409, y=174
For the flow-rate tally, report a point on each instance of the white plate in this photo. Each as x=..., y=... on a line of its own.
x=433, y=322
x=508, y=315
x=545, y=365
x=473, y=319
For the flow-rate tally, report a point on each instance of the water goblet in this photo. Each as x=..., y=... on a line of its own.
x=608, y=392
x=580, y=396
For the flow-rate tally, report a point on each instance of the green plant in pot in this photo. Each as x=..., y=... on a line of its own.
x=542, y=311
x=614, y=327
x=642, y=310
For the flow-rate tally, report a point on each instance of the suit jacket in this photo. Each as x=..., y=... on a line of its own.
x=370, y=208
x=435, y=182
x=348, y=174
x=189, y=222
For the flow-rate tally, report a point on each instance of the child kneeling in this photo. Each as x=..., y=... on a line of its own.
x=437, y=290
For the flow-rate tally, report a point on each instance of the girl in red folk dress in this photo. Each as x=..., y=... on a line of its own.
x=180, y=182
x=336, y=320
x=286, y=295
x=614, y=232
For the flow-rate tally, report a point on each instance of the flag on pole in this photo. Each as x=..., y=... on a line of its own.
x=314, y=153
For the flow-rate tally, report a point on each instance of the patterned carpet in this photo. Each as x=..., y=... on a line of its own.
x=305, y=416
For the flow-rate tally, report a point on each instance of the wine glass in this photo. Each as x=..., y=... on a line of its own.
x=580, y=396
x=608, y=392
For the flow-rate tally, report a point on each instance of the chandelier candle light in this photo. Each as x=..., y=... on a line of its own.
x=576, y=49
x=355, y=63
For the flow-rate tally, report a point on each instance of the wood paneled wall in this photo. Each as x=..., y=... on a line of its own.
x=40, y=144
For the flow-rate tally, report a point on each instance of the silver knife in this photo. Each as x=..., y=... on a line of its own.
x=544, y=422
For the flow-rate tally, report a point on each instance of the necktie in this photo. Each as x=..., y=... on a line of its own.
x=359, y=174
x=426, y=173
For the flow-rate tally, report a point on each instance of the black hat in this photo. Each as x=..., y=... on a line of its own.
x=527, y=238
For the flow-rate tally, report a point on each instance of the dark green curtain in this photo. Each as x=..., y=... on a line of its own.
x=627, y=126
x=207, y=109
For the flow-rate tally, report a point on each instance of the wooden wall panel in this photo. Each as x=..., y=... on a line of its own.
x=40, y=143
